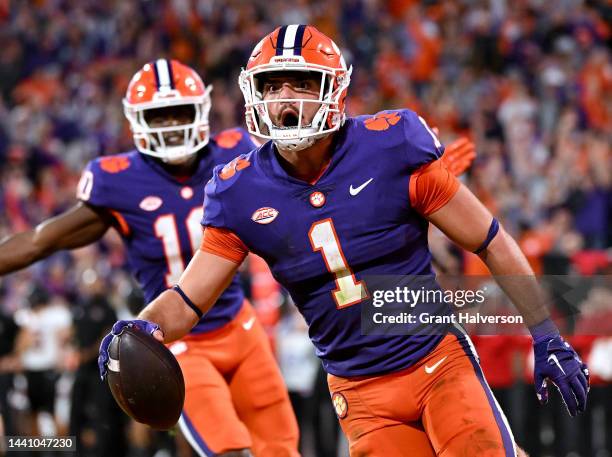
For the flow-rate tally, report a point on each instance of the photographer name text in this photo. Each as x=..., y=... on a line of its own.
x=459, y=318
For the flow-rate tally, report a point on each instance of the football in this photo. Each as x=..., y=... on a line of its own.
x=145, y=379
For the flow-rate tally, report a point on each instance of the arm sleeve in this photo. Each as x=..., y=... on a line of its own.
x=431, y=187
x=224, y=243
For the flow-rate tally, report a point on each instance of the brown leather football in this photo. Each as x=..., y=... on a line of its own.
x=145, y=379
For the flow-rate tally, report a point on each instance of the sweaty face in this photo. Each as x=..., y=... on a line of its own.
x=290, y=85
x=171, y=116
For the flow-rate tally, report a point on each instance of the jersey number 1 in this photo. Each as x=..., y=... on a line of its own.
x=348, y=290
x=167, y=231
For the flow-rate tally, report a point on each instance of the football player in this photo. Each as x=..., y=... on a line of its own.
x=332, y=202
x=235, y=399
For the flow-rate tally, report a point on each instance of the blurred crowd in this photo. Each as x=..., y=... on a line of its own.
x=529, y=81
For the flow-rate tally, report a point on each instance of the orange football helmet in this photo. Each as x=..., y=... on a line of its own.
x=160, y=84
x=296, y=48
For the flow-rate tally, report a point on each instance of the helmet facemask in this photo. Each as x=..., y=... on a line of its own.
x=295, y=134
x=152, y=140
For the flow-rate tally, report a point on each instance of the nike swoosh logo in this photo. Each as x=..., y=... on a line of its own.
x=554, y=358
x=355, y=190
x=431, y=369
x=248, y=324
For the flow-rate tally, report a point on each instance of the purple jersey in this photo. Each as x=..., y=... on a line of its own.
x=321, y=240
x=159, y=216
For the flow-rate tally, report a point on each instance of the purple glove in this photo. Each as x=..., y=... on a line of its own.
x=556, y=360
x=142, y=325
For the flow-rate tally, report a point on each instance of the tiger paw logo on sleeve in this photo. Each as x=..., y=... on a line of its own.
x=114, y=164
x=228, y=139
x=235, y=165
x=382, y=121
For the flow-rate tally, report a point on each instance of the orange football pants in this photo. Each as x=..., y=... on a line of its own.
x=442, y=406
x=235, y=397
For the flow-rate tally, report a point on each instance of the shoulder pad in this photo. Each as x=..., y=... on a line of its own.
x=93, y=187
x=227, y=174
x=402, y=131
x=114, y=164
x=223, y=178
x=381, y=121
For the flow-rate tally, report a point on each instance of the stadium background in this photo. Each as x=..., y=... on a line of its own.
x=530, y=81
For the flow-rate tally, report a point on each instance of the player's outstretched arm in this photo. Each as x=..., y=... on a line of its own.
x=77, y=227
x=468, y=223
x=174, y=312
x=202, y=282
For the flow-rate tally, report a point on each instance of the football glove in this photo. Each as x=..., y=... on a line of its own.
x=142, y=325
x=556, y=361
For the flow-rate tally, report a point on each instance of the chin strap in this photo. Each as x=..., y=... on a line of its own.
x=299, y=145
x=295, y=145
x=178, y=160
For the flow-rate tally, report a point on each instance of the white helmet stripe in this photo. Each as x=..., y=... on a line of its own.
x=289, y=42
x=163, y=73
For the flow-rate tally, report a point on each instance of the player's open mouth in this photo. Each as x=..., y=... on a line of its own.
x=289, y=119
x=173, y=139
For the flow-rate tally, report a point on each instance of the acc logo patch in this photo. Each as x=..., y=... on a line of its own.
x=340, y=405
x=150, y=203
x=228, y=139
x=114, y=164
x=264, y=215
x=382, y=121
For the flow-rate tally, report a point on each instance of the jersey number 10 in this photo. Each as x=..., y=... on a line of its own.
x=167, y=231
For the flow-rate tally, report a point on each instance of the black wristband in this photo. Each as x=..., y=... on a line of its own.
x=187, y=300
x=493, y=229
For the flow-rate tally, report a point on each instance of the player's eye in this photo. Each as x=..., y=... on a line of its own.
x=155, y=121
x=272, y=87
x=305, y=85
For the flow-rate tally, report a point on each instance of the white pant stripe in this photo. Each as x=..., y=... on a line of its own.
x=190, y=439
x=499, y=410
